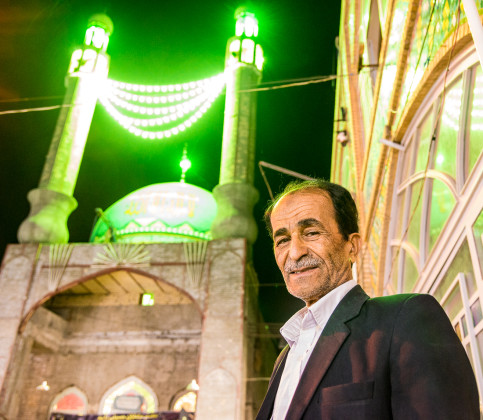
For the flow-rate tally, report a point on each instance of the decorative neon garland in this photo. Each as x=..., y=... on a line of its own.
x=160, y=105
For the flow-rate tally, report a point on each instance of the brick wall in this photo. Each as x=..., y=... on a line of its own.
x=103, y=345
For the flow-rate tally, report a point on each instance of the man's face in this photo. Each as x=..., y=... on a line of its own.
x=310, y=252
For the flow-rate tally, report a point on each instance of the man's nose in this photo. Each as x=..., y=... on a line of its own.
x=297, y=248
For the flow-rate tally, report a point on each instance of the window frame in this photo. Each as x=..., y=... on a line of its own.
x=121, y=383
x=463, y=66
x=69, y=390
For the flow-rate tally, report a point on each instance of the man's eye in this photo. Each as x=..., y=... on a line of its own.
x=311, y=233
x=281, y=241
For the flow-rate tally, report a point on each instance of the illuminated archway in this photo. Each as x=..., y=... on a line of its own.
x=94, y=323
x=185, y=399
x=131, y=395
x=70, y=401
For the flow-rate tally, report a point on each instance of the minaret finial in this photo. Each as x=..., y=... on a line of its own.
x=185, y=163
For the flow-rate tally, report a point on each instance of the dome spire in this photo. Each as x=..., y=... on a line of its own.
x=185, y=163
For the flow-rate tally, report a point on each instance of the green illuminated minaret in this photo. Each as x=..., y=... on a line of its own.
x=235, y=194
x=52, y=202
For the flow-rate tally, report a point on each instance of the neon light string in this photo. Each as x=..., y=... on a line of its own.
x=193, y=98
x=173, y=116
x=165, y=88
x=155, y=99
x=183, y=107
x=131, y=124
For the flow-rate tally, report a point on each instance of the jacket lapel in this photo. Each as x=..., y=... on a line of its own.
x=266, y=409
x=328, y=345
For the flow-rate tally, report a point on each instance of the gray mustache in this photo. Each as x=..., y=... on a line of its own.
x=304, y=262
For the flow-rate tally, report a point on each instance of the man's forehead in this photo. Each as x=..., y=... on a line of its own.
x=299, y=202
x=315, y=194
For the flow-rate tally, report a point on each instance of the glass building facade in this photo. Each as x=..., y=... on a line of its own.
x=409, y=102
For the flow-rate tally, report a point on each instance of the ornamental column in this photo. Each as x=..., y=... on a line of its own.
x=52, y=202
x=235, y=194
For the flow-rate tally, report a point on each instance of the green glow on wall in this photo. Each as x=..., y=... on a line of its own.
x=248, y=51
x=235, y=46
x=88, y=61
x=259, y=59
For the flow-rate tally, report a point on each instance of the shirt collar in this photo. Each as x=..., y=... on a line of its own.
x=320, y=310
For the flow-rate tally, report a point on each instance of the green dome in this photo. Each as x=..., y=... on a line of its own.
x=168, y=212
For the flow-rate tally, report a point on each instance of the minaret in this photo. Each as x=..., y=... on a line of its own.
x=52, y=202
x=235, y=194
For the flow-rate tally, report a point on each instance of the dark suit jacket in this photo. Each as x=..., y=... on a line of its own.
x=393, y=357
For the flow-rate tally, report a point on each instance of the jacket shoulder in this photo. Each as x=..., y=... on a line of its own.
x=403, y=299
x=396, y=306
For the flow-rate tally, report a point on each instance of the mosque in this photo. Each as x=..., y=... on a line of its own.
x=154, y=316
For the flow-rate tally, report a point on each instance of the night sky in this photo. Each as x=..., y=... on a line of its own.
x=164, y=42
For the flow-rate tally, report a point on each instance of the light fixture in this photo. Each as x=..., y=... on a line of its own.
x=193, y=386
x=342, y=137
x=44, y=386
x=242, y=48
x=185, y=163
x=147, y=299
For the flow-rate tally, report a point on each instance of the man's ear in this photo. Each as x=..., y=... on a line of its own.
x=355, y=240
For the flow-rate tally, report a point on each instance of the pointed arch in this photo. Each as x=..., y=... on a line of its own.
x=70, y=401
x=185, y=399
x=179, y=295
x=130, y=395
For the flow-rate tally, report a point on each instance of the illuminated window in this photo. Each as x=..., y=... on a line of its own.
x=374, y=38
x=243, y=47
x=440, y=154
x=99, y=29
x=414, y=218
x=460, y=264
x=185, y=398
x=131, y=395
x=446, y=150
x=425, y=134
x=246, y=23
x=454, y=302
x=476, y=120
x=70, y=401
x=442, y=203
x=97, y=37
x=456, y=290
x=411, y=272
x=259, y=59
x=478, y=237
x=346, y=176
x=186, y=402
x=248, y=51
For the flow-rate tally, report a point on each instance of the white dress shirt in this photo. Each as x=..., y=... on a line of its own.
x=301, y=332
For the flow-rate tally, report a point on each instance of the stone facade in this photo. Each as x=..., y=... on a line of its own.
x=71, y=316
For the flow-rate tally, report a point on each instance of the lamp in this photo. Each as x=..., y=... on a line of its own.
x=242, y=48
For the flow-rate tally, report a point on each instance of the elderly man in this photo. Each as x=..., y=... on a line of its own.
x=349, y=356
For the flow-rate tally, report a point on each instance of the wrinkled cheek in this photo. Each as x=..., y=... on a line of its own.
x=300, y=284
x=293, y=286
x=336, y=265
